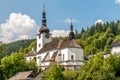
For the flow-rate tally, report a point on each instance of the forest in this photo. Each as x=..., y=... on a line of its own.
x=95, y=40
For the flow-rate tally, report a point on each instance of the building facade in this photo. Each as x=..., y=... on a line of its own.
x=66, y=53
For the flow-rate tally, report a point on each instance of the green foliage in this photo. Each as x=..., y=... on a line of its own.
x=29, y=48
x=15, y=63
x=54, y=73
x=100, y=68
x=16, y=46
x=2, y=51
x=99, y=37
x=70, y=75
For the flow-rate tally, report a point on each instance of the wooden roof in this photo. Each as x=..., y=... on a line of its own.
x=22, y=75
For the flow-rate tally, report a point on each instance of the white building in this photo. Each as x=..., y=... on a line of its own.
x=115, y=48
x=66, y=53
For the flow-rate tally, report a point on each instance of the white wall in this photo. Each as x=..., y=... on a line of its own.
x=41, y=56
x=59, y=56
x=28, y=58
x=42, y=40
x=115, y=50
x=77, y=55
x=65, y=53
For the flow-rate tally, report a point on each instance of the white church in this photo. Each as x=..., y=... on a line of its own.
x=66, y=53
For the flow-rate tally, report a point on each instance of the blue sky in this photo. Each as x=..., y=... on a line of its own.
x=83, y=12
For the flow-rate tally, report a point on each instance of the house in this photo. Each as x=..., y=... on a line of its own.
x=27, y=75
x=115, y=48
x=66, y=53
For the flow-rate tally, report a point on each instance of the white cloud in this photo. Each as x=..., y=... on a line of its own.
x=117, y=1
x=17, y=27
x=68, y=20
x=99, y=21
x=59, y=33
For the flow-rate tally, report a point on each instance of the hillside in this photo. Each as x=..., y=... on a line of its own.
x=17, y=45
x=99, y=37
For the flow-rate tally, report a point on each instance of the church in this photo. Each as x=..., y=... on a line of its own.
x=66, y=53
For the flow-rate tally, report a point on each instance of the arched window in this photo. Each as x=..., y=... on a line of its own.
x=39, y=45
x=72, y=57
x=63, y=57
x=39, y=36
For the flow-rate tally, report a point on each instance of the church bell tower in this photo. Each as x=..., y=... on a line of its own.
x=43, y=36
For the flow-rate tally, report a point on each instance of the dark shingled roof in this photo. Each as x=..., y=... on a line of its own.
x=60, y=44
x=70, y=43
x=117, y=43
x=51, y=46
x=22, y=75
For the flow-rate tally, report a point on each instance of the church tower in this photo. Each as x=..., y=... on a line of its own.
x=43, y=36
x=71, y=34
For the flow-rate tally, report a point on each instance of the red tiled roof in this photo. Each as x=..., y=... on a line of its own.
x=21, y=75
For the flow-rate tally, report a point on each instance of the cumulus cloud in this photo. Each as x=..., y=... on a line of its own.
x=59, y=33
x=17, y=27
x=99, y=21
x=68, y=20
x=117, y=1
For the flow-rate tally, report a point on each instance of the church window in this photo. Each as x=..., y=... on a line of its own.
x=63, y=57
x=72, y=57
x=39, y=45
x=39, y=36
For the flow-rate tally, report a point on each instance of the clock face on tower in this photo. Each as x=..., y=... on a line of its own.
x=47, y=36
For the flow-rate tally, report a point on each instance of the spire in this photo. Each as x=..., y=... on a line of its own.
x=71, y=34
x=44, y=28
x=71, y=26
x=44, y=16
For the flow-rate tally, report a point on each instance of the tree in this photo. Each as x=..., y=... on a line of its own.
x=54, y=73
x=99, y=68
x=14, y=63
x=70, y=75
x=2, y=51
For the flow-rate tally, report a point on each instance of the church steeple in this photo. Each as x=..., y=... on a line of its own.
x=71, y=34
x=44, y=16
x=44, y=28
x=43, y=36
